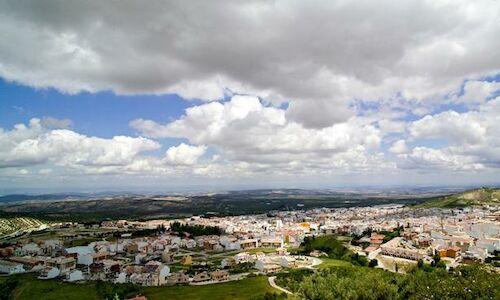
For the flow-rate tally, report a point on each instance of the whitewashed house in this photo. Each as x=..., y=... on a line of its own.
x=8, y=267
x=75, y=275
x=49, y=273
x=31, y=249
x=288, y=262
x=121, y=278
x=85, y=254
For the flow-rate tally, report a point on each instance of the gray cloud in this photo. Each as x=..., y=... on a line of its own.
x=318, y=55
x=49, y=122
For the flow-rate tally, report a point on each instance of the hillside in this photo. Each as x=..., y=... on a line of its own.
x=474, y=197
x=10, y=225
x=228, y=203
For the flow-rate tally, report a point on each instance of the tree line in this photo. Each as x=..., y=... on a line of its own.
x=195, y=230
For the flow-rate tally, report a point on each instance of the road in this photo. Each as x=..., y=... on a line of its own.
x=274, y=285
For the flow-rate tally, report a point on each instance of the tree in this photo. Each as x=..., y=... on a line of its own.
x=436, y=260
x=195, y=230
x=373, y=263
x=441, y=264
x=420, y=264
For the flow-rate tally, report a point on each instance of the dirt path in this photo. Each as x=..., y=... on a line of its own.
x=274, y=285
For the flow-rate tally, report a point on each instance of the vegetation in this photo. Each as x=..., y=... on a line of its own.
x=241, y=268
x=495, y=260
x=333, y=248
x=389, y=235
x=262, y=250
x=9, y=225
x=480, y=196
x=7, y=287
x=79, y=242
x=146, y=232
x=109, y=291
x=249, y=288
x=224, y=204
x=272, y=296
x=227, y=204
x=373, y=263
x=195, y=230
x=293, y=278
x=348, y=283
x=468, y=282
x=330, y=262
x=28, y=287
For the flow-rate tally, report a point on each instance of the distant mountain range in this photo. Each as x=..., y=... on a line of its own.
x=419, y=192
x=98, y=207
x=23, y=197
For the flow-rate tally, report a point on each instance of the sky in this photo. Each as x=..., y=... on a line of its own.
x=201, y=95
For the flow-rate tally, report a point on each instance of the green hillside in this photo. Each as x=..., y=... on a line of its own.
x=26, y=286
x=475, y=197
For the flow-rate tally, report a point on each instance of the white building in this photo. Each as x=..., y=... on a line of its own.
x=8, y=267
x=121, y=278
x=49, y=273
x=84, y=254
x=31, y=249
x=288, y=262
x=75, y=275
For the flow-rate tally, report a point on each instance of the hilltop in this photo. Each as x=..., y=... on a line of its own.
x=481, y=196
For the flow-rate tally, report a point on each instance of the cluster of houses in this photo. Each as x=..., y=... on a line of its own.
x=145, y=261
x=470, y=234
x=461, y=236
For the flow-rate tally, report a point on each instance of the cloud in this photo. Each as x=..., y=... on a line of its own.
x=455, y=127
x=245, y=129
x=473, y=136
x=399, y=147
x=53, y=123
x=35, y=144
x=436, y=159
x=478, y=91
x=319, y=56
x=287, y=88
x=185, y=154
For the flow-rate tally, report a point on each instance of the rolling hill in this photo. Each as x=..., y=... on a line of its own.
x=476, y=197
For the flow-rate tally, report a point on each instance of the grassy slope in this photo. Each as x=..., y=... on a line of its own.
x=468, y=198
x=330, y=262
x=32, y=288
x=244, y=289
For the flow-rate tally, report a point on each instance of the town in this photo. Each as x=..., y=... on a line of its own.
x=200, y=250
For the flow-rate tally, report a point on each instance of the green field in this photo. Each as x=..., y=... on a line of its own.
x=330, y=262
x=31, y=288
x=249, y=288
x=263, y=250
